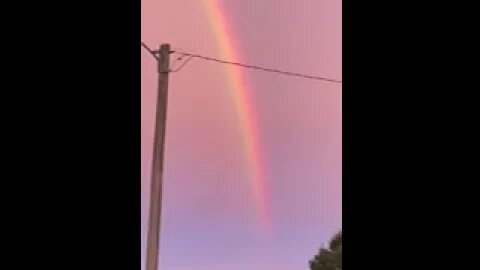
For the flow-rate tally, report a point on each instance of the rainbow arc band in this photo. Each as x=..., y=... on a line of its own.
x=244, y=107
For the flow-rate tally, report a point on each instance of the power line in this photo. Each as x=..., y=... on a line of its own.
x=260, y=68
x=153, y=53
x=287, y=73
x=183, y=64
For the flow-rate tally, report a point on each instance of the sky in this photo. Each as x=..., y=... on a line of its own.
x=211, y=218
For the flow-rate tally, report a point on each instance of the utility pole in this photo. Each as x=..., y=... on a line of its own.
x=153, y=237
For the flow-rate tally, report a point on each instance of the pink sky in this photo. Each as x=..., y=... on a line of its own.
x=208, y=219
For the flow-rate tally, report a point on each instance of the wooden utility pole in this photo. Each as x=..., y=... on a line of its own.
x=153, y=237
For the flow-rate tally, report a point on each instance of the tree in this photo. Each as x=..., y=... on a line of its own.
x=331, y=258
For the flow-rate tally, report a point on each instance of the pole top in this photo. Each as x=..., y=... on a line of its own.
x=164, y=58
x=165, y=46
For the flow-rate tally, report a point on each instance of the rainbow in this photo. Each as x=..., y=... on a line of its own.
x=243, y=105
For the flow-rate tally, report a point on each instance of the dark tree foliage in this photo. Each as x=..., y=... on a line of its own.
x=331, y=258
